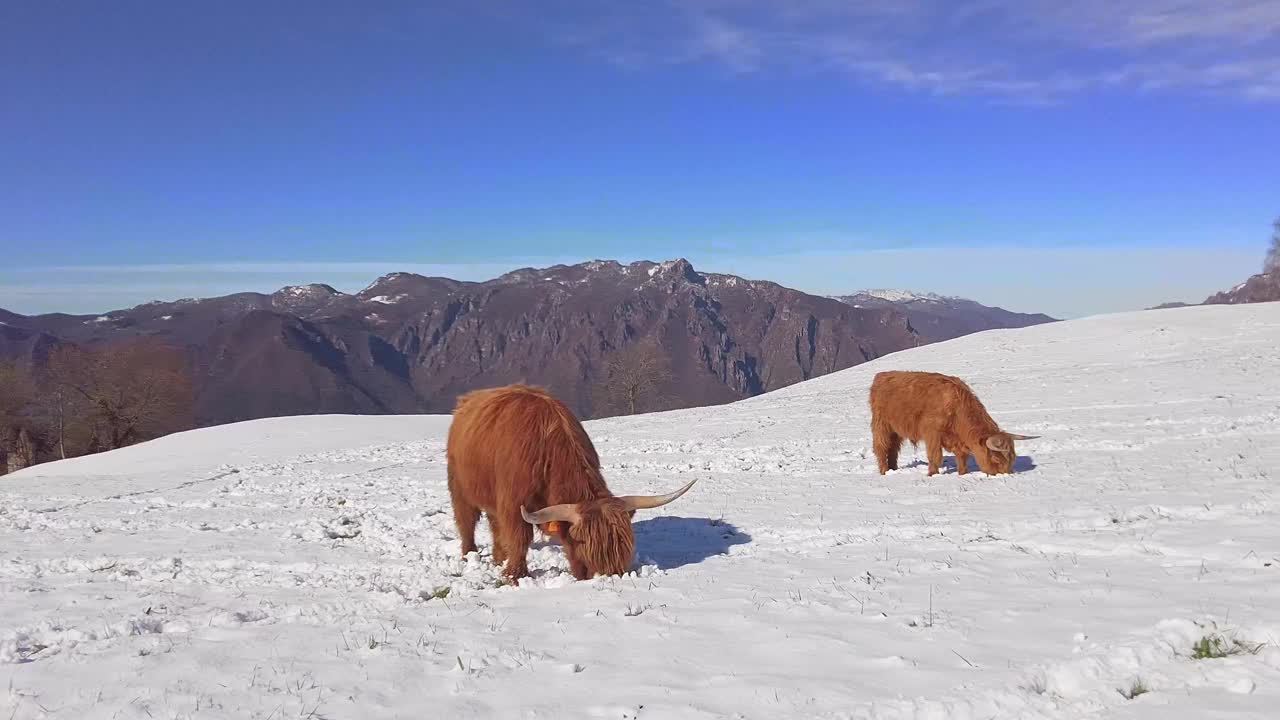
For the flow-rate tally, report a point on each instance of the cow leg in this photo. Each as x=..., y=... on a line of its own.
x=576, y=564
x=516, y=537
x=891, y=457
x=885, y=443
x=499, y=554
x=962, y=460
x=933, y=447
x=465, y=516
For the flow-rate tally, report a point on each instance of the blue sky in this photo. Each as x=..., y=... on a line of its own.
x=1066, y=157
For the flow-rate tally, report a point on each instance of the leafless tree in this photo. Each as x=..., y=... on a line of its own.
x=632, y=380
x=1272, y=263
x=21, y=451
x=127, y=393
x=16, y=394
x=63, y=414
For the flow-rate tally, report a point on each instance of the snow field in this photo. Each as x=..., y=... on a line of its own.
x=308, y=567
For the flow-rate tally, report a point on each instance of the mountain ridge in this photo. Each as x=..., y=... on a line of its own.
x=940, y=317
x=412, y=343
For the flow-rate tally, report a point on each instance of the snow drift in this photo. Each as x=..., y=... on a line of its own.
x=307, y=567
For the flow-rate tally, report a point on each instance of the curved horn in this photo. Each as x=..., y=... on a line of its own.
x=565, y=513
x=1016, y=436
x=648, y=502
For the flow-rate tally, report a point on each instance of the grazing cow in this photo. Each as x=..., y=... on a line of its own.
x=516, y=447
x=943, y=412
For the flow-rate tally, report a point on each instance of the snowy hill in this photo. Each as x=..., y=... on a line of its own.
x=306, y=567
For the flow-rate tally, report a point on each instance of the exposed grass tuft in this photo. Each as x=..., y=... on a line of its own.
x=1137, y=688
x=1214, y=646
x=439, y=593
x=634, y=610
x=1035, y=684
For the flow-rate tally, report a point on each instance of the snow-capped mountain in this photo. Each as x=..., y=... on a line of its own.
x=1263, y=287
x=1260, y=288
x=896, y=296
x=308, y=566
x=938, y=317
x=409, y=343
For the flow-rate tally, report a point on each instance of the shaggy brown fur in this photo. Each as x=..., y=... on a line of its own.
x=517, y=446
x=943, y=412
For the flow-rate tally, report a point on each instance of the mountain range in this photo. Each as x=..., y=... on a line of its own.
x=1263, y=287
x=409, y=343
x=1260, y=288
x=937, y=317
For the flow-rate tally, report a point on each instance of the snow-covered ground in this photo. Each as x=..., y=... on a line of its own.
x=307, y=567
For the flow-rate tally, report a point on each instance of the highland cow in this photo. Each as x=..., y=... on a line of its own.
x=517, y=447
x=943, y=412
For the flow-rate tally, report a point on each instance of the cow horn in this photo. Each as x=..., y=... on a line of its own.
x=567, y=512
x=648, y=502
x=1016, y=436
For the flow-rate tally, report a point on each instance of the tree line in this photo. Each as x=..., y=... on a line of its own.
x=82, y=400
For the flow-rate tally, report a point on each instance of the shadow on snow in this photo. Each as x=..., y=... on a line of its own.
x=1022, y=464
x=671, y=542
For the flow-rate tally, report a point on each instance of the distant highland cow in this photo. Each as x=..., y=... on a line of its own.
x=943, y=412
x=516, y=447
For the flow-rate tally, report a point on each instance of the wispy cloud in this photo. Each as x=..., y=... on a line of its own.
x=1017, y=50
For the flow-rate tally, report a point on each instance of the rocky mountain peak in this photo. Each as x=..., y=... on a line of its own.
x=411, y=343
x=679, y=269
x=311, y=290
x=304, y=299
x=1263, y=287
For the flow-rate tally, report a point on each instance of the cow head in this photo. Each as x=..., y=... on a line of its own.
x=996, y=454
x=599, y=540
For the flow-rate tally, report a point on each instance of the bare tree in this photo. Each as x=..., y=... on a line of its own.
x=127, y=393
x=21, y=452
x=16, y=394
x=633, y=380
x=1272, y=263
x=62, y=413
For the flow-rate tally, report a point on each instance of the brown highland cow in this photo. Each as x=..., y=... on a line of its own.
x=517, y=447
x=943, y=412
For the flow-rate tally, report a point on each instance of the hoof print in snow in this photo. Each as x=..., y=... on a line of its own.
x=343, y=528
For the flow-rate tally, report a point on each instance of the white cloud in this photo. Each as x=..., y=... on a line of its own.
x=1018, y=50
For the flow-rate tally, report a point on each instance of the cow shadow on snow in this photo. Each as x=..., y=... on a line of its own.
x=1022, y=464
x=671, y=542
